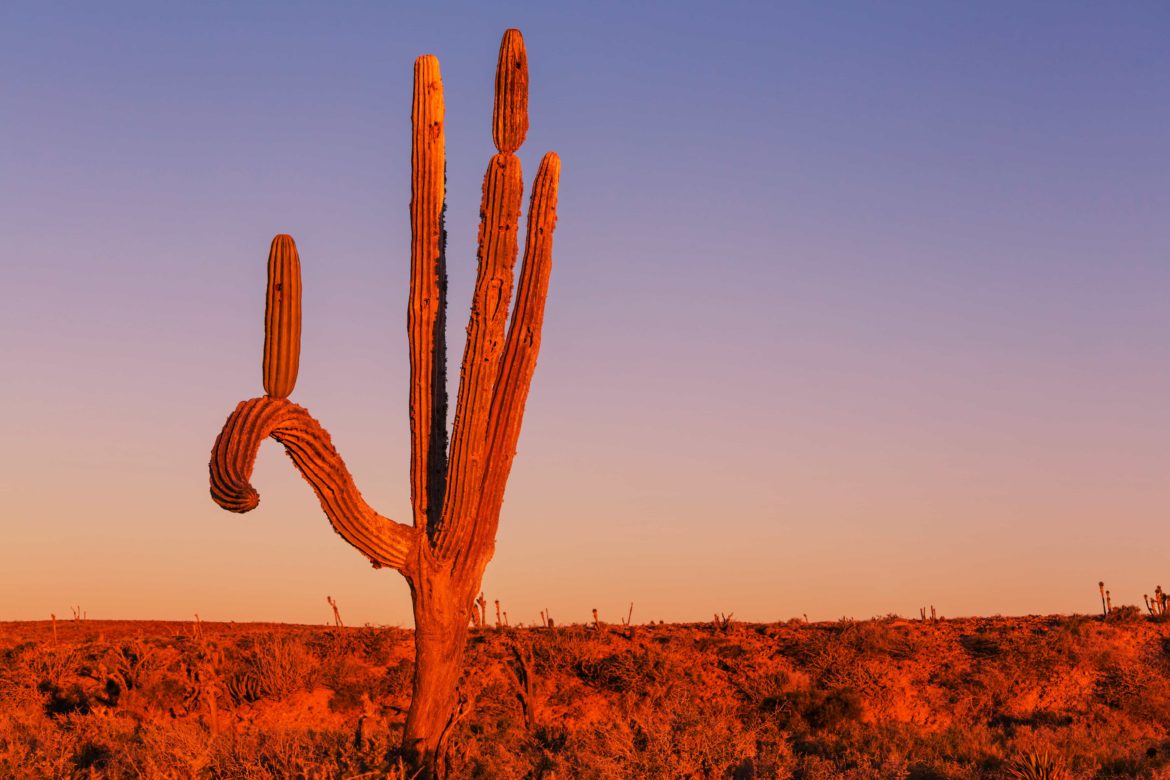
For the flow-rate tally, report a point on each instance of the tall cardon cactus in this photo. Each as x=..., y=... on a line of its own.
x=456, y=495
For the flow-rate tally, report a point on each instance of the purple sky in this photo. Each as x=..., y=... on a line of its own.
x=855, y=308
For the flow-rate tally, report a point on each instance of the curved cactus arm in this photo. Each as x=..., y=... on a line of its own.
x=426, y=318
x=519, y=359
x=383, y=541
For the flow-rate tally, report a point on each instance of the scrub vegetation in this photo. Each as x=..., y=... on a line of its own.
x=1033, y=697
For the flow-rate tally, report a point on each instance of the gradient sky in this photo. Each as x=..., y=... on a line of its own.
x=855, y=307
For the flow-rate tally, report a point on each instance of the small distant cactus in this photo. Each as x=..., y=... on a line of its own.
x=456, y=492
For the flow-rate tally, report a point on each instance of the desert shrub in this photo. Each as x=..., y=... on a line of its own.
x=350, y=681
x=890, y=637
x=282, y=665
x=163, y=749
x=377, y=645
x=731, y=650
x=65, y=700
x=1150, y=763
x=551, y=738
x=828, y=710
x=561, y=649
x=828, y=662
x=1126, y=614
x=284, y=753
x=92, y=756
x=1037, y=719
x=630, y=671
x=815, y=709
x=1076, y=624
x=399, y=678
x=926, y=772
x=1119, y=684
x=51, y=666
x=135, y=663
x=981, y=646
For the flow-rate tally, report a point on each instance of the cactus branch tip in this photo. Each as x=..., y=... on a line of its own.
x=510, y=112
x=426, y=68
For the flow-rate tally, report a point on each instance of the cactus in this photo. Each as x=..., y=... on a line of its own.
x=457, y=495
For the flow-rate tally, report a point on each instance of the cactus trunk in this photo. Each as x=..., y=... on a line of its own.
x=441, y=607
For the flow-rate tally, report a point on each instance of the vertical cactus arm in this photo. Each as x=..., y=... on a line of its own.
x=383, y=541
x=521, y=349
x=500, y=216
x=425, y=317
x=282, y=318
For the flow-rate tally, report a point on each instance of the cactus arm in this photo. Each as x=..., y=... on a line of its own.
x=426, y=321
x=519, y=359
x=500, y=211
x=282, y=318
x=503, y=189
x=383, y=541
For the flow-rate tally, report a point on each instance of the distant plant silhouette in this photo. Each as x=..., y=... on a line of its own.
x=1159, y=605
x=456, y=494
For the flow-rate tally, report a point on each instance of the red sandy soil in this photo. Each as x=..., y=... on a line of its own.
x=1030, y=697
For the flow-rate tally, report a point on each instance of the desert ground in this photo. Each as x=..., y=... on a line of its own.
x=1000, y=697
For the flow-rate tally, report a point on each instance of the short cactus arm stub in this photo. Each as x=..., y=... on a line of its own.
x=383, y=541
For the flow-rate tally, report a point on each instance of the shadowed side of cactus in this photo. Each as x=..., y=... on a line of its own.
x=457, y=495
